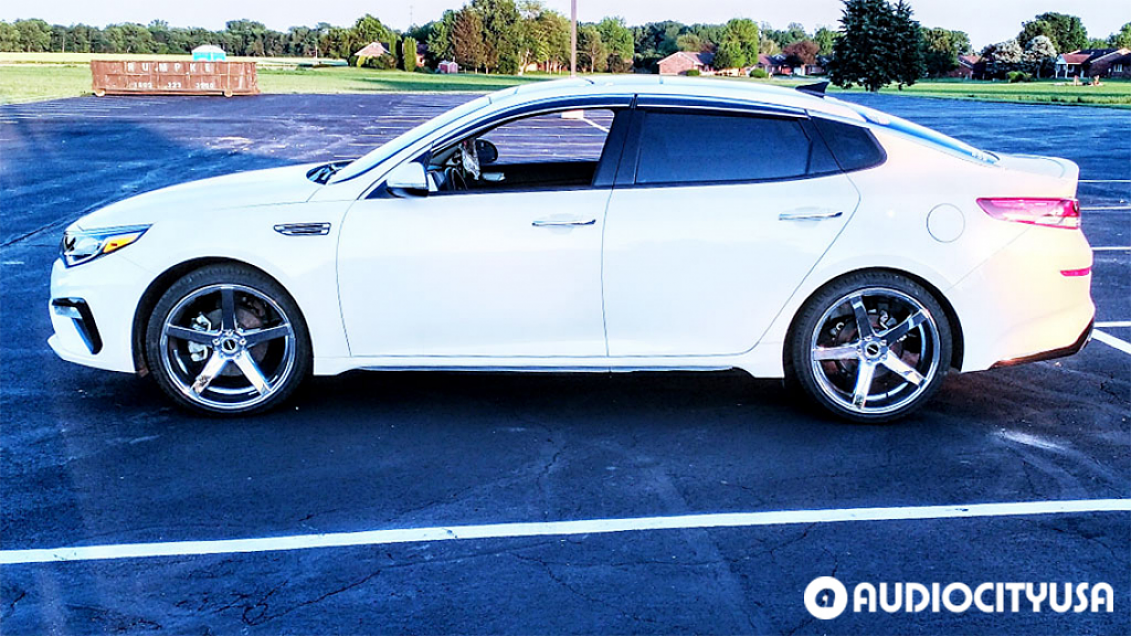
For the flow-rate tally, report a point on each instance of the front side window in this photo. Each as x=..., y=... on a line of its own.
x=559, y=150
x=684, y=148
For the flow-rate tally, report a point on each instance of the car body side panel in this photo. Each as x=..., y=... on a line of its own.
x=304, y=265
x=890, y=231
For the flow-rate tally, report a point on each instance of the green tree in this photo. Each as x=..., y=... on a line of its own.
x=1002, y=57
x=408, y=54
x=910, y=66
x=825, y=38
x=592, y=53
x=941, y=48
x=35, y=35
x=468, y=46
x=9, y=37
x=1067, y=32
x=1039, y=57
x=501, y=34
x=868, y=48
x=440, y=34
x=689, y=42
x=730, y=55
x=1122, y=39
x=618, y=40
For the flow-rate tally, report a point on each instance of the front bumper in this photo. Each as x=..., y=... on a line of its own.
x=92, y=309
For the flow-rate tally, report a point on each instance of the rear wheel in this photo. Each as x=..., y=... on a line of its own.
x=227, y=340
x=871, y=347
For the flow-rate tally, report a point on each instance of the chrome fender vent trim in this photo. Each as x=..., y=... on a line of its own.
x=303, y=229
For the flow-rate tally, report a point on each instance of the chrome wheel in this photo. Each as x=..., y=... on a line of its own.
x=875, y=351
x=227, y=347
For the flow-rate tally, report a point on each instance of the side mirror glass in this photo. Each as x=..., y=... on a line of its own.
x=408, y=180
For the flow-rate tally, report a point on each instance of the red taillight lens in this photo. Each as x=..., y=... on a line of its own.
x=1064, y=213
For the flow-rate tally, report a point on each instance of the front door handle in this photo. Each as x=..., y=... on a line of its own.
x=548, y=223
x=809, y=215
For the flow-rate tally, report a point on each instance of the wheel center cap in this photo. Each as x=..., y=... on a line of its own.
x=873, y=349
x=229, y=345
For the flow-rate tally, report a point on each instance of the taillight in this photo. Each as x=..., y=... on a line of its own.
x=1063, y=213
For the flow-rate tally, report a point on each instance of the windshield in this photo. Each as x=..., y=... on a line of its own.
x=383, y=152
x=922, y=133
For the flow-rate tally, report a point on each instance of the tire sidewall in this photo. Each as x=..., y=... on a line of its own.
x=799, y=368
x=229, y=275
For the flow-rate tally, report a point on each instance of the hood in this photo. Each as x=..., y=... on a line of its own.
x=243, y=189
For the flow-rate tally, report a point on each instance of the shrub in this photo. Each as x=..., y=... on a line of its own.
x=759, y=74
x=1019, y=76
x=694, y=73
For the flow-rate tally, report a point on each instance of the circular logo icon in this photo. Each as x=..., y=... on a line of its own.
x=826, y=598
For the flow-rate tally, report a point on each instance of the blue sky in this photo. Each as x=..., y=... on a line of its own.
x=985, y=20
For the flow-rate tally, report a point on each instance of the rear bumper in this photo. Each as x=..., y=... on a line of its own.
x=1053, y=354
x=1030, y=301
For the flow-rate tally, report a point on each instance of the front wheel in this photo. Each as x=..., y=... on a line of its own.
x=227, y=340
x=871, y=347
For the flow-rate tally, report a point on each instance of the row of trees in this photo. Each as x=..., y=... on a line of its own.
x=878, y=42
x=1036, y=47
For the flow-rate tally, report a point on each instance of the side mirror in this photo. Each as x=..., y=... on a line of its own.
x=408, y=180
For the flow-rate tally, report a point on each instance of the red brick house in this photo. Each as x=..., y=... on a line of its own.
x=681, y=62
x=1114, y=64
x=966, y=66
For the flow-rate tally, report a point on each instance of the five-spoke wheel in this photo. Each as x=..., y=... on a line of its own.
x=871, y=347
x=227, y=339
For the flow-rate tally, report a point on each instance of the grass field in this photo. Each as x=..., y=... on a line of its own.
x=1110, y=93
x=26, y=77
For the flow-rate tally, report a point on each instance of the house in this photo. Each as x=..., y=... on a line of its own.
x=774, y=64
x=967, y=67
x=680, y=62
x=1114, y=64
x=373, y=49
x=447, y=67
x=1079, y=63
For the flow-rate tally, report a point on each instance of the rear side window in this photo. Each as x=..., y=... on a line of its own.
x=697, y=148
x=853, y=146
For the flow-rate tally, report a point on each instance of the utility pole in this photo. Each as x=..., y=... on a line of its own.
x=573, y=38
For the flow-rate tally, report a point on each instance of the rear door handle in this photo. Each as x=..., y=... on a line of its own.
x=809, y=215
x=548, y=223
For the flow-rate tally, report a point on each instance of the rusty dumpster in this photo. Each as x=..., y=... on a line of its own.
x=181, y=77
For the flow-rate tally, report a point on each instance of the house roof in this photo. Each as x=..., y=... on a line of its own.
x=705, y=58
x=373, y=49
x=1075, y=58
x=969, y=60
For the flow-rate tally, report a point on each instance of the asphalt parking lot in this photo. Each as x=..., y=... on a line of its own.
x=93, y=458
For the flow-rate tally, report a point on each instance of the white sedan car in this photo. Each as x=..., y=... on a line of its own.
x=629, y=224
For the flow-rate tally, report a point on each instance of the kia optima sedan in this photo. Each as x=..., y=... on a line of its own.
x=596, y=225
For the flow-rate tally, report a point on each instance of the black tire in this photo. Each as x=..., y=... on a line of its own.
x=241, y=322
x=834, y=366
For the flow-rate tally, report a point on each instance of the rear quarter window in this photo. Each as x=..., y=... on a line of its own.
x=854, y=147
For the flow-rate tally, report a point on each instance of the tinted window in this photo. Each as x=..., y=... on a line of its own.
x=694, y=148
x=853, y=146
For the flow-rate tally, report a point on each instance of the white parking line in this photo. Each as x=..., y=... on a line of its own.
x=558, y=528
x=1112, y=341
x=1116, y=248
x=1114, y=324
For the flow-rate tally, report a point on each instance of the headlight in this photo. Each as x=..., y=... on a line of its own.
x=81, y=246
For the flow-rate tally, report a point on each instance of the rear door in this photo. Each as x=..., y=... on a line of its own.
x=716, y=219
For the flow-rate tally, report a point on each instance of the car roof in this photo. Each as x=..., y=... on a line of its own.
x=676, y=86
